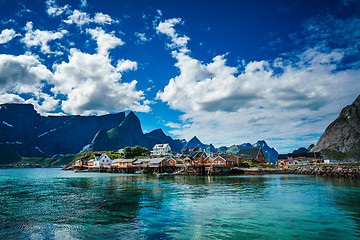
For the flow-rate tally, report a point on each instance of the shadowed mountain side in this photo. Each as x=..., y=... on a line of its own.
x=33, y=135
x=196, y=143
x=158, y=136
x=343, y=134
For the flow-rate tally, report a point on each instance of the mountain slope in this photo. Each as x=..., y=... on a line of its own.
x=33, y=135
x=271, y=154
x=157, y=136
x=343, y=134
x=196, y=143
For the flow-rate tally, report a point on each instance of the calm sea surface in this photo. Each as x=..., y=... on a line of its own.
x=55, y=204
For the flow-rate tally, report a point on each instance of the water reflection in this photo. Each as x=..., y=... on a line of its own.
x=65, y=205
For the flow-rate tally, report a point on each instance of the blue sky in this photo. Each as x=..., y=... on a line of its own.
x=228, y=72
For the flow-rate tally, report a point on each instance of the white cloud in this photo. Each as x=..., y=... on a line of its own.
x=43, y=103
x=22, y=74
x=82, y=18
x=224, y=105
x=126, y=65
x=103, y=18
x=84, y=3
x=54, y=10
x=141, y=38
x=7, y=35
x=167, y=28
x=79, y=18
x=174, y=125
x=41, y=38
x=10, y=98
x=104, y=40
x=92, y=86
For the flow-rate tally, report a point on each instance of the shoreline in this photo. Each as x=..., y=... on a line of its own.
x=346, y=171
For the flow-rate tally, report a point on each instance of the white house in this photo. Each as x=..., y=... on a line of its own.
x=330, y=161
x=162, y=149
x=102, y=161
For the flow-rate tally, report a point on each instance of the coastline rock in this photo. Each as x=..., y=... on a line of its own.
x=342, y=135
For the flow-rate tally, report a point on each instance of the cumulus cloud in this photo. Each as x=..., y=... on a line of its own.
x=103, y=18
x=43, y=103
x=10, y=98
x=7, y=35
x=22, y=74
x=167, y=27
x=92, y=86
x=104, y=40
x=82, y=18
x=248, y=102
x=39, y=38
x=79, y=18
x=126, y=65
x=54, y=10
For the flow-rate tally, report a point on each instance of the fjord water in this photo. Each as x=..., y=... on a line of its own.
x=55, y=204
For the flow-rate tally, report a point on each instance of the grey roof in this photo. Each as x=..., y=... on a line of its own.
x=251, y=152
x=177, y=159
x=161, y=146
x=123, y=160
x=150, y=160
x=227, y=159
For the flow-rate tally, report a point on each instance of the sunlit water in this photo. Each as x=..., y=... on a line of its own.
x=55, y=204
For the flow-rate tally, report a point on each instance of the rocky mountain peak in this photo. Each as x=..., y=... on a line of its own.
x=342, y=135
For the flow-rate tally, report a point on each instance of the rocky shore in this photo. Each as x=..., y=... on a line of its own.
x=327, y=170
x=322, y=170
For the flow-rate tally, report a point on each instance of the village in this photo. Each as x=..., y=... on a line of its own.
x=192, y=161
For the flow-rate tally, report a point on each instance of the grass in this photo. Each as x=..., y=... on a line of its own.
x=339, y=155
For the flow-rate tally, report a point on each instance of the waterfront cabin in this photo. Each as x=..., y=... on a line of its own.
x=142, y=162
x=81, y=163
x=122, y=163
x=157, y=162
x=179, y=162
x=170, y=162
x=161, y=149
x=102, y=161
x=252, y=153
x=299, y=158
x=237, y=160
x=90, y=163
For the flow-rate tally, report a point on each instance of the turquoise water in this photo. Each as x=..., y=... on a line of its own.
x=54, y=204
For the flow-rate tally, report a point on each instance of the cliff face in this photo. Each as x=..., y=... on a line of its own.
x=129, y=134
x=33, y=135
x=342, y=135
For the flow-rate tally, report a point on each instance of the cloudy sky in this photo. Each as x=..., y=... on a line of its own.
x=226, y=71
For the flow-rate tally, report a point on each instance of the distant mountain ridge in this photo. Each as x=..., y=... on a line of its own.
x=196, y=143
x=271, y=154
x=33, y=135
x=24, y=132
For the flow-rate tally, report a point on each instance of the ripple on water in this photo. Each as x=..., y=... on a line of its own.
x=53, y=204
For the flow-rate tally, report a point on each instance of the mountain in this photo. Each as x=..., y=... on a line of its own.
x=343, y=134
x=301, y=150
x=158, y=136
x=31, y=135
x=271, y=154
x=129, y=134
x=196, y=143
x=25, y=133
